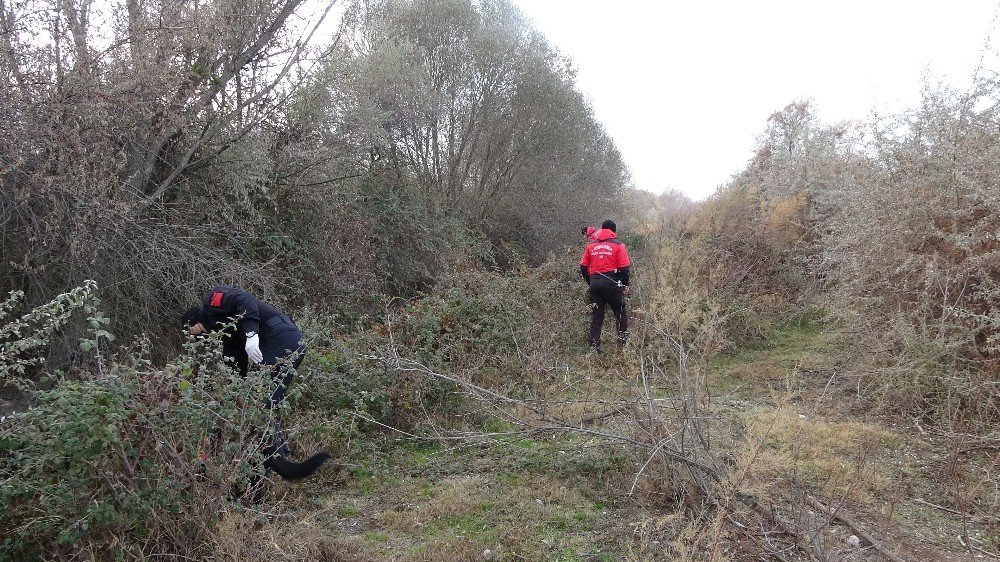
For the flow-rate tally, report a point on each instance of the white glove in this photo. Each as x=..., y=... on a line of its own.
x=253, y=348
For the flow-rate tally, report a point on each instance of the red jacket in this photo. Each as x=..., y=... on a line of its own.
x=605, y=254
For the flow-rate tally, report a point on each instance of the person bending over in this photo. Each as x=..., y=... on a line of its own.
x=262, y=335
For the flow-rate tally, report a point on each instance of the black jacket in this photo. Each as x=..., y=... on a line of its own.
x=222, y=304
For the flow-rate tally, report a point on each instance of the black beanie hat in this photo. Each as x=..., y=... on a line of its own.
x=610, y=225
x=191, y=316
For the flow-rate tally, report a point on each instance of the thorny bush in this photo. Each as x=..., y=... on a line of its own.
x=107, y=462
x=497, y=330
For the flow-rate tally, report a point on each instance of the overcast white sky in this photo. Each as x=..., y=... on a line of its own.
x=685, y=88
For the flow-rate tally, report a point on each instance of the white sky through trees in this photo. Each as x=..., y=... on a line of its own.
x=685, y=88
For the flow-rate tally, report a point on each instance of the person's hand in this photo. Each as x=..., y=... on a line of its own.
x=253, y=348
x=626, y=290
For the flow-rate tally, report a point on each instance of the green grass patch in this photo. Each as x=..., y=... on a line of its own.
x=470, y=525
x=538, y=498
x=378, y=537
x=814, y=344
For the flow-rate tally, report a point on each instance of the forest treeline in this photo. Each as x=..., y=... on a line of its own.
x=159, y=147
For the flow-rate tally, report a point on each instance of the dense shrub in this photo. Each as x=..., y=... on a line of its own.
x=106, y=461
x=893, y=227
x=491, y=329
x=912, y=251
x=24, y=339
x=721, y=271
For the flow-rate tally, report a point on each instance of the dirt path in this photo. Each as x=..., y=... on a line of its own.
x=895, y=479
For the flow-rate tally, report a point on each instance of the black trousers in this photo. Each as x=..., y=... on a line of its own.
x=280, y=346
x=606, y=292
x=283, y=351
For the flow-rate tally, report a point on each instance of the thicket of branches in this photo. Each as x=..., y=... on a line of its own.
x=157, y=147
x=893, y=222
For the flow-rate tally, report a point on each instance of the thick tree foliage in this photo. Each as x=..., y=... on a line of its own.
x=468, y=104
x=157, y=147
x=134, y=145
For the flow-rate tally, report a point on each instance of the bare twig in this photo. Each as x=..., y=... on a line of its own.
x=987, y=553
x=974, y=518
x=843, y=517
x=559, y=424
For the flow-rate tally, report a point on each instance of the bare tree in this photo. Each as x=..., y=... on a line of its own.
x=114, y=116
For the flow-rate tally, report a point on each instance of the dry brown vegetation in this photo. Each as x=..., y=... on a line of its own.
x=812, y=373
x=889, y=233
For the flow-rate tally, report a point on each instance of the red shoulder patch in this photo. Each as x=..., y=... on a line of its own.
x=216, y=299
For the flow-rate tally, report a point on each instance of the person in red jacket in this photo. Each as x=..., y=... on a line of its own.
x=605, y=267
x=590, y=232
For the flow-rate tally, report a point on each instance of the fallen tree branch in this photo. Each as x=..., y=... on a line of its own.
x=742, y=529
x=973, y=518
x=936, y=506
x=598, y=417
x=557, y=424
x=975, y=548
x=846, y=519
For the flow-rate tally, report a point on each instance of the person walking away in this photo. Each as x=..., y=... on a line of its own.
x=590, y=232
x=605, y=267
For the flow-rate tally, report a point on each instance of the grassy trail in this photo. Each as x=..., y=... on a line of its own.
x=788, y=418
